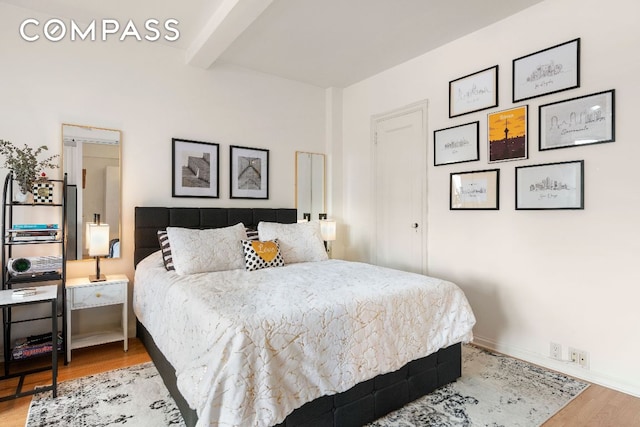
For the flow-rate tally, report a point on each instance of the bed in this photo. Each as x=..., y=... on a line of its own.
x=251, y=365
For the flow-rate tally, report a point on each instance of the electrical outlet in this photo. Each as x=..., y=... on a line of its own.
x=573, y=355
x=579, y=357
x=583, y=359
x=555, y=351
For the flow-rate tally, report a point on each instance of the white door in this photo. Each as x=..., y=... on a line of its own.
x=400, y=160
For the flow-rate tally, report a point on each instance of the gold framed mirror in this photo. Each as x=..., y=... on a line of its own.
x=310, y=184
x=91, y=158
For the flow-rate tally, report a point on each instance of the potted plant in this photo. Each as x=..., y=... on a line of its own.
x=24, y=163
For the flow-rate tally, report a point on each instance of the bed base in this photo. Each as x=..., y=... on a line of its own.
x=362, y=404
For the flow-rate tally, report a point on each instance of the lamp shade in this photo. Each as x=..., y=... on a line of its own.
x=328, y=230
x=98, y=239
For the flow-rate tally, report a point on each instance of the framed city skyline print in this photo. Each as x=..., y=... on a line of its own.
x=588, y=119
x=457, y=144
x=249, y=173
x=507, y=135
x=195, y=167
x=550, y=186
x=474, y=92
x=547, y=71
x=475, y=190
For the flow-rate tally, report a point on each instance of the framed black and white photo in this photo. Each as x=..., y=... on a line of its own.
x=249, y=171
x=475, y=190
x=550, y=186
x=474, y=92
x=547, y=71
x=195, y=168
x=584, y=120
x=457, y=144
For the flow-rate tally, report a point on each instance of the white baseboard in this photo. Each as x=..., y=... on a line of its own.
x=561, y=366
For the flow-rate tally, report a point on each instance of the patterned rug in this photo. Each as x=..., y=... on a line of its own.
x=494, y=391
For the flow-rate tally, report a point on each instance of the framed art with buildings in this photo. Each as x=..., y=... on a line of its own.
x=550, y=186
x=195, y=171
x=550, y=70
x=249, y=173
x=475, y=190
x=474, y=92
x=456, y=144
x=588, y=119
x=507, y=135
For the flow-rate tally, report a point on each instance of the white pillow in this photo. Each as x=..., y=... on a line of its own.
x=200, y=251
x=299, y=242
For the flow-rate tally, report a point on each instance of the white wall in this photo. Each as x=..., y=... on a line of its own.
x=532, y=277
x=146, y=90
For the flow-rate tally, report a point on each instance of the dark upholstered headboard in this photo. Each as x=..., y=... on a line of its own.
x=148, y=220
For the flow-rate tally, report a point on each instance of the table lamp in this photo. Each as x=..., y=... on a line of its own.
x=98, y=245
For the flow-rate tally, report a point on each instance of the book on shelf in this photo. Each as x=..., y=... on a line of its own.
x=24, y=349
x=29, y=235
x=24, y=292
x=34, y=227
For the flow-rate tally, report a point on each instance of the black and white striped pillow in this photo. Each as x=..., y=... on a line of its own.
x=252, y=234
x=163, y=239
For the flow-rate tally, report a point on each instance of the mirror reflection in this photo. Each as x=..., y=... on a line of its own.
x=310, y=184
x=91, y=160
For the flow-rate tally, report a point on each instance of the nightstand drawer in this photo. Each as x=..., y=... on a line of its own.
x=97, y=295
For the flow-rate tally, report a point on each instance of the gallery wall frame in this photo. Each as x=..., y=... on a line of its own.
x=550, y=186
x=507, y=134
x=456, y=144
x=249, y=173
x=474, y=92
x=547, y=71
x=584, y=120
x=195, y=168
x=475, y=190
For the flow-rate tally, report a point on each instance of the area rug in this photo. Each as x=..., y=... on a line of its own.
x=134, y=396
x=494, y=390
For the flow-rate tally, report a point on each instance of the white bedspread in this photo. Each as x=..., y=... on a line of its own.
x=250, y=347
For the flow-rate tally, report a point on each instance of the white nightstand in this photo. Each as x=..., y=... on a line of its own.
x=83, y=294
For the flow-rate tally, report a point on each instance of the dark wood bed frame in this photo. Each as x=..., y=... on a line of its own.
x=363, y=403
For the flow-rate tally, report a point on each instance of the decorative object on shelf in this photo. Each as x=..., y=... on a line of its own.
x=456, y=144
x=98, y=245
x=476, y=190
x=474, y=92
x=588, y=119
x=25, y=164
x=547, y=71
x=42, y=190
x=195, y=169
x=507, y=135
x=249, y=170
x=550, y=186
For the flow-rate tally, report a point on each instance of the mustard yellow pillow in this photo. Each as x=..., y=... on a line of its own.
x=258, y=255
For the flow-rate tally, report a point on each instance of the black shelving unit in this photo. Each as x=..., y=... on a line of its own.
x=11, y=212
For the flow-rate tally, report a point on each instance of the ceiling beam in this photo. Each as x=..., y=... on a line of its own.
x=225, y=25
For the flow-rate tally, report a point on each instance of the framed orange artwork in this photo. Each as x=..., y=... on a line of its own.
x=507, y=135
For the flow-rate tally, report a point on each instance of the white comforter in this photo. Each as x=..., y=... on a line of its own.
x=250, y=347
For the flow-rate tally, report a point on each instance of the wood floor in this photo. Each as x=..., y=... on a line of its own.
x=597, y=406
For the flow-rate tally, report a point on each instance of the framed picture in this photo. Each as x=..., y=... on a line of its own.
x=195, y=168
x=550, y=186
x=249, y=171
x=547, y=71
x=457, y=144
x=583, y=120
x=507, y=135
x=477, y=190
x=475, y=92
